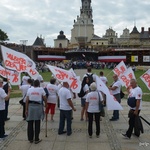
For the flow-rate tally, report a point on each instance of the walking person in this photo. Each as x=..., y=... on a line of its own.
x=105, y=81
x=3, y=97
x=83, y=99
x=136, y=93
x=52, y=98
x=34, y=111
x=66, y=107
x=115, y=89
x=24, y=88
x=93, y=110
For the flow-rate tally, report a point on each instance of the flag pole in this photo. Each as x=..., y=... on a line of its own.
x=46, y=126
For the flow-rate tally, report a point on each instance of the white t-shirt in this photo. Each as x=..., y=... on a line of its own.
x=93, y=100
x=2, y=100
x=118, y=85
x=85, y=89
x=40, y=78
x=36, y=93
x=24, y=89
x=64, y=95
x=52, y=91
x=104, y=79
x=137, y=93
x=25, y=80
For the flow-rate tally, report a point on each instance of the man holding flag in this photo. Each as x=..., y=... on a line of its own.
x=115, y=89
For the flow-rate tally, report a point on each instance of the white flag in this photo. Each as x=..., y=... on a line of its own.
x=111, y=102
x=146, y=78
x=66, y=76
x=12, y=76
x=120, y=69
x=18, y=61
x=126, y=77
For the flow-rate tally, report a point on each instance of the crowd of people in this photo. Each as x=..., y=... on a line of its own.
x=36, y=97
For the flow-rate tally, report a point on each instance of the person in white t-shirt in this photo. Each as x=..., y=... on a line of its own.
x=105, y=81
x=135, y=92
x=66, y=107
x=115, y=89
x=34, y=111
x=3, y=97
x=93, y=110
x=25, y=79
x=83, y=99
x=52, y=97
x=24, y=89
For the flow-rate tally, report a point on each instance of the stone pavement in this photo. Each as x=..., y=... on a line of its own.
x=110, y=137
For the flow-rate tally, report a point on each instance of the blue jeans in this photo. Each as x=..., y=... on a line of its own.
x=65, y=115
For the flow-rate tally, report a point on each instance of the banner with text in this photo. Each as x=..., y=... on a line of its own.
x=66, y=76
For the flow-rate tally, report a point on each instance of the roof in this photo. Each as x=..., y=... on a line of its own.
x=38, y=42
x=145, y=35
x=135, y=31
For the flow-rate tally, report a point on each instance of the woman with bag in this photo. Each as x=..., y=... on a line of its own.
x=93, y=109
x=34, y=111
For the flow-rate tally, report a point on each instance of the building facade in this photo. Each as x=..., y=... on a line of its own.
x=132, y=47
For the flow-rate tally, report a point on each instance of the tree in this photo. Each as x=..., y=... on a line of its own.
x=3, y=36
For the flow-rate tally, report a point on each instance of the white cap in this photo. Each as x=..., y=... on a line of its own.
x=93, y=86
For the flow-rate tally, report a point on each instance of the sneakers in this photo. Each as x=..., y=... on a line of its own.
x=125, y=136
x=4, y=136
x=7, y=119
x=63, y=132
x=113, y=119
x=36, y=142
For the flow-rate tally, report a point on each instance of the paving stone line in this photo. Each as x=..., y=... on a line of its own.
x=111, y=134
x=12, y=135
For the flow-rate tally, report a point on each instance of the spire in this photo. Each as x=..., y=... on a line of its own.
x=86, y=8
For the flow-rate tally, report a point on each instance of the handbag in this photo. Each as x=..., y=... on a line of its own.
x=131, y=102
x=101, y=107
x=21, y=102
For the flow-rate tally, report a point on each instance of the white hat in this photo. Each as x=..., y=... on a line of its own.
x=93, y=86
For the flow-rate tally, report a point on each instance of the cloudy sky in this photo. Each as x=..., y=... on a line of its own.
x=27, y=19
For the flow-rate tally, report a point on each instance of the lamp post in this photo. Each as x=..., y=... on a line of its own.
x=24, y=42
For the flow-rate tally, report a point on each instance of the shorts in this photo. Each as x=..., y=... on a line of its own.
x=50, y=108
x=83, y=102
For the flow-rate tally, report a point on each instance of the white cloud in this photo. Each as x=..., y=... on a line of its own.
x=26, y=19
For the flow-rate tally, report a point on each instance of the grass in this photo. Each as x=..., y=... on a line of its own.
x=107, y=72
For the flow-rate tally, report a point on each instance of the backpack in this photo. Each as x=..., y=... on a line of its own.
x=90, y=76
x=5, y=87
x=82, y=93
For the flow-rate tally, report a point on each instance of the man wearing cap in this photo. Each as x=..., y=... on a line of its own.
x=3, y=97
x=66, y=107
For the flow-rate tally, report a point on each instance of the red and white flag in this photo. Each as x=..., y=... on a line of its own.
x=19, y=62
x=12, y=76
x=120, y=69
x=146, y=78
x=126, y=77
x=112, y=103
x=66, y=76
